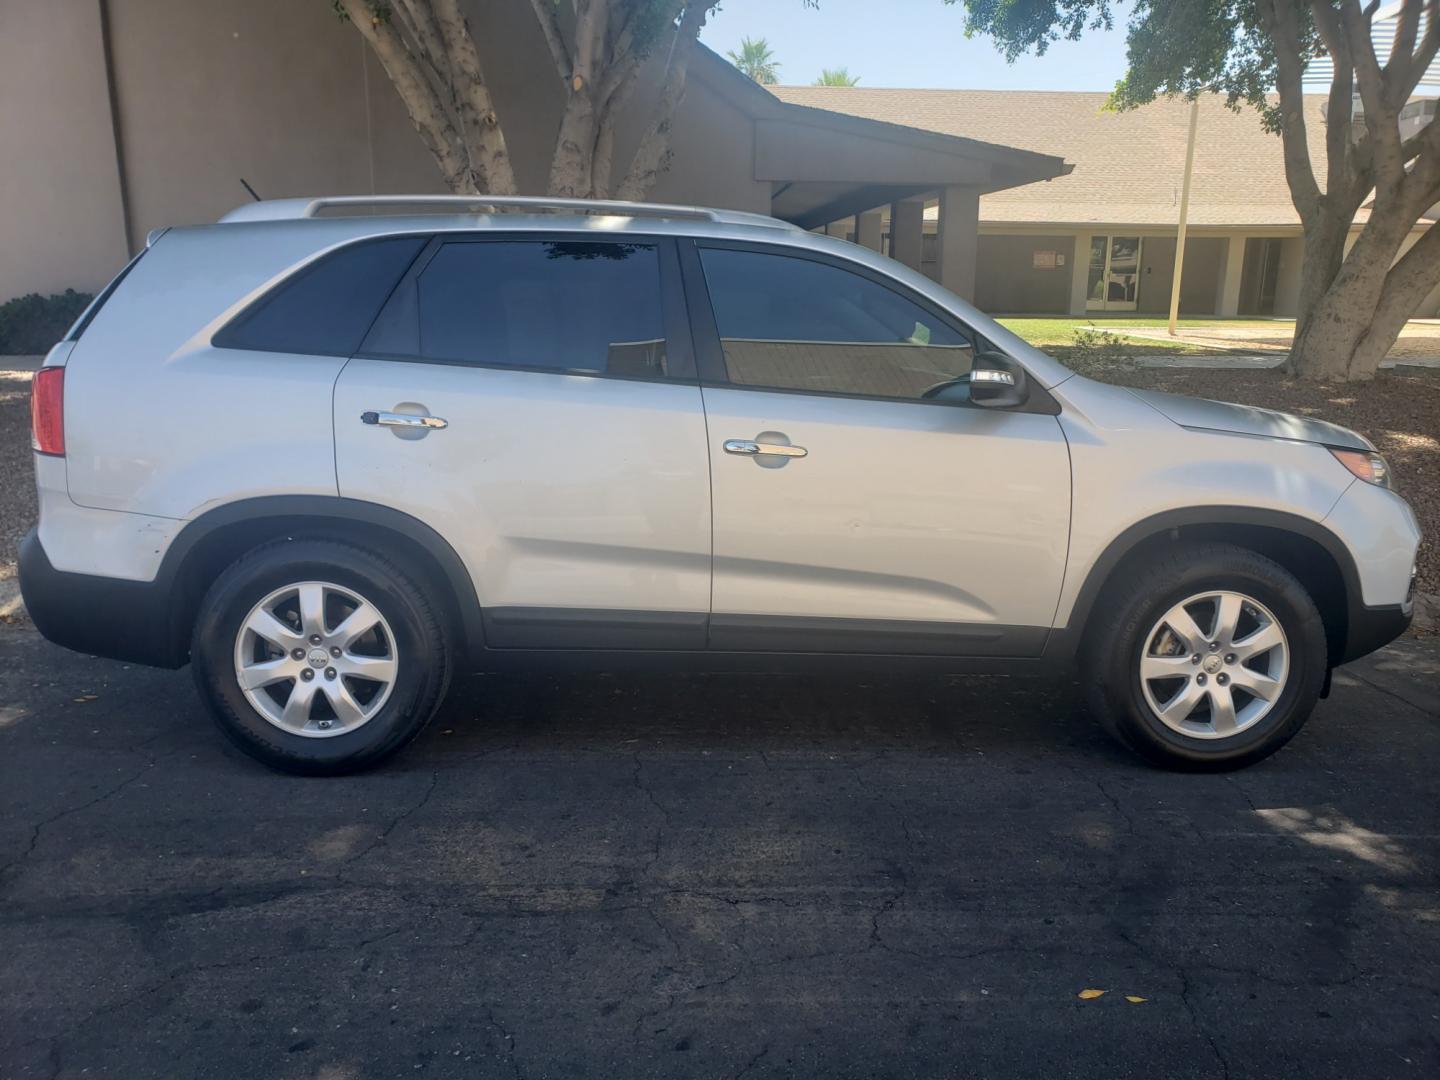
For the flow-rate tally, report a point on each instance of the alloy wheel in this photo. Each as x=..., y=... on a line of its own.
x=1214, y=665
x=316, y=659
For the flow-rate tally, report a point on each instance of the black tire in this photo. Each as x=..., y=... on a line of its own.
x=421, y=679
x=1134, y=603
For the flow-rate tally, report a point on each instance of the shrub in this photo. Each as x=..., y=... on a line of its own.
x=1093, y=353
x=33, y=323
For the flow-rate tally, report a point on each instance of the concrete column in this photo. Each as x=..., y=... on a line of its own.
x=1230, y=273
x=869, y=228
x=959, y=239
x=1080, y=274
x=907, y=226
x=1287, y=284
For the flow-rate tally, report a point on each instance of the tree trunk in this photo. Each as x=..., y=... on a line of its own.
x=1354, y=323
x=652, y=157
x=573, y=160
x=1324, y=254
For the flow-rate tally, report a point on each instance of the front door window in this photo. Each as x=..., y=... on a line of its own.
x=1114, y=273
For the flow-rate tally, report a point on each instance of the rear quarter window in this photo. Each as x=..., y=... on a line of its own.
x=325, y=309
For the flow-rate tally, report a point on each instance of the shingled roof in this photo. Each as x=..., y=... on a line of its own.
x=1128, y=165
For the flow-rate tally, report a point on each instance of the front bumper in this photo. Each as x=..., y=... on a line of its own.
x=103, y=616
x=1373, y=628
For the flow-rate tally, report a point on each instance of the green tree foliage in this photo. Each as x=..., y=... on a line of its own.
x=756, y=60
x=836, y=77
x=1353, y=303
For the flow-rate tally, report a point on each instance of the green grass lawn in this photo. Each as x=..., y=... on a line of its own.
x=1058, y=331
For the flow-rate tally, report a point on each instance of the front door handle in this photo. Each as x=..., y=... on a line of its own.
x=751, y=448
x=403, y=420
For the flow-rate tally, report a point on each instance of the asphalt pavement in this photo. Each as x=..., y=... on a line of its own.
x=715, y=876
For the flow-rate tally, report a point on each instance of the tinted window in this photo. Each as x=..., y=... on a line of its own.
x=556, y=306
x=327, y=307
x=794, y=324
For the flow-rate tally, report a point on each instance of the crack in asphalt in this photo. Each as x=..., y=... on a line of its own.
x=754, y=1061
x=508, y=1039
x=396, y=821
x=40, y=826
x=1379, y=689
x=1199, y=1026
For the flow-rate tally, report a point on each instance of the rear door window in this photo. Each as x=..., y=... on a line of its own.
x=551, y=305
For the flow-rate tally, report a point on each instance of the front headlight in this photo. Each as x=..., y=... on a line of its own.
x=1364, y=464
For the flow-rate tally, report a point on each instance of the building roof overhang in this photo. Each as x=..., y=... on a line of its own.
x=825, y=165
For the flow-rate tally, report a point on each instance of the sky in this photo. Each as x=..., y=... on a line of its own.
x=917, y=43
x=909, y=43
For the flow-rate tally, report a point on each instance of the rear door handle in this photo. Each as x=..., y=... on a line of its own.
x=403, y=420
x=751, y=448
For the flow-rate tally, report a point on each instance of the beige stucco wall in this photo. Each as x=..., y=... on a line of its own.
x=60, y=222
x=1199, y=278
x=1007, y=280
x=281, y=92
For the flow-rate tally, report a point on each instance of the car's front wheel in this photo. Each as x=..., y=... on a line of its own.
x=1208, y=656
x=319, y=657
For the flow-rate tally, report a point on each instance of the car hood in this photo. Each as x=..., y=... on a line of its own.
x=1202, y=415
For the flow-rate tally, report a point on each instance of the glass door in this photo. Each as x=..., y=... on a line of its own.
x=1114, y=273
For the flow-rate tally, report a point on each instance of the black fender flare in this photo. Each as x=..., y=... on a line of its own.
x=329, y=508
x=1065, y=641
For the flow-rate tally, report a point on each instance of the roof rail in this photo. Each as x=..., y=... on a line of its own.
x=296, y=209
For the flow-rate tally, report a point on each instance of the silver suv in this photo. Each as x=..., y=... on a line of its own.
x=332, y=451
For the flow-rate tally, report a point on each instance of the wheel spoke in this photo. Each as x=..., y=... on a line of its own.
x=362, y=619
x=297, y=708
x=1227, y=617
x=1183, y=703
x=264, y=624
x=312, y=607
x=1253, y=682
x=1262, y=640
x=347, y=709
x=1166, y=667
x=1184, y=626
x=267, y=672
x=1222, y=710
x=379, y=669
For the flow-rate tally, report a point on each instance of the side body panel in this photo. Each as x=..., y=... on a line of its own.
x=580, y=505
x=903, y=525
x=1131, y=463
x=159, y=422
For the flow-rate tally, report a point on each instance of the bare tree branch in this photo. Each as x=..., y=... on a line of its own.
x=1381, y=114
x=652, y=156
x=427, y=111
x=421, y=17
x=1339, y=113
x=1409, y=281
x=1282, y=24
x=484, y=139
x=550, y=25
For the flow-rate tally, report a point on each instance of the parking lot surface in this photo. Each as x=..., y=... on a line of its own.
x=715, y=876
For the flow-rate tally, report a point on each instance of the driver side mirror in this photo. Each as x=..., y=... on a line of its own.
x=997, y=382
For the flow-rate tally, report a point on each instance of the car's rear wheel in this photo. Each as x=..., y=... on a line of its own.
x=319, y=657
x=1205, y=656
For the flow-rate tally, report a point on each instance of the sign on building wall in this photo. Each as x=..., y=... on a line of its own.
x=1047, y=260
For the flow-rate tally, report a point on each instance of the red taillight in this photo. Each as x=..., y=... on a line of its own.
x=47, y=411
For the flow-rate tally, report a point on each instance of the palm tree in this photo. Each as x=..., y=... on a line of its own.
x=836, y=77
x=756, y=60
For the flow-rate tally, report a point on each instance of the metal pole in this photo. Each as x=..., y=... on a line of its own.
x=1184, y=214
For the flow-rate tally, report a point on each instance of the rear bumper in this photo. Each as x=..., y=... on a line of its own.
x=103, y=616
